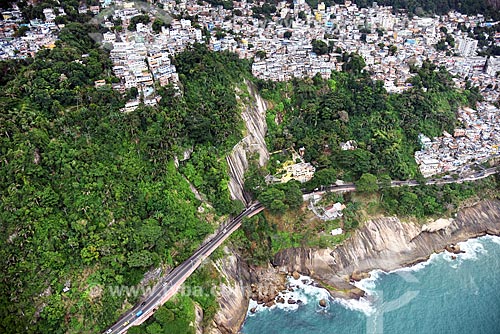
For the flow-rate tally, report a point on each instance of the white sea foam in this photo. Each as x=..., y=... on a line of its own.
x=363, y=305
x=303, y=293
x=307, y=290
x=368, y=284
x=493, y=238
x=472, y=248
x=418, y=266
x=307, y=293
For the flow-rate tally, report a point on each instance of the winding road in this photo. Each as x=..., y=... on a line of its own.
x=347, y=187
x=172, y=281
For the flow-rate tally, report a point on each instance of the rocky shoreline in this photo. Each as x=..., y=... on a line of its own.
x=383, y=243
x=387, y=244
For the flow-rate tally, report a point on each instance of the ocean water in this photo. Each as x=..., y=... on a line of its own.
x=442, y=295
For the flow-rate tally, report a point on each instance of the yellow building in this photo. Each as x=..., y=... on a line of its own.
x=301, y=172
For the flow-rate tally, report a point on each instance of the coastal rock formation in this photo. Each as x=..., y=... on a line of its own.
x=455, y=249
x=240, y=284
x=387, y=244
x=269, y=283
x=254, y=116
x=233, y=298
x=437, y=225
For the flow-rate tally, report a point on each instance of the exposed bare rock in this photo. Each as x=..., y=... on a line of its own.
x=455, y=249
x=437, y=225
x=198, y=313
x=242, y=282
x=233, y=298
x=269, y=283
x=270, y=303
x=387, y=244
x=254, y=116
x=358, y=276
x=37, y=158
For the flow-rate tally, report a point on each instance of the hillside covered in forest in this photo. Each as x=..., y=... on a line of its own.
x=92, y=197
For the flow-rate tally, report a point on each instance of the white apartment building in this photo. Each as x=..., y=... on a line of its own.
x=466, y=46
x=493, y=66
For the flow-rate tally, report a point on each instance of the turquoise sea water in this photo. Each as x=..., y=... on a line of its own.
x=440, y=295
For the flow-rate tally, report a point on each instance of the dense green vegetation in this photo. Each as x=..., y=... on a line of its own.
x=321, y=114
x=424, y=201
x=90, y=196
x=263, y=235
x=177, y=315
x=211, y=118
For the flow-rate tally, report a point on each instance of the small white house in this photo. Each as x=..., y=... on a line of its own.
x=336, y=231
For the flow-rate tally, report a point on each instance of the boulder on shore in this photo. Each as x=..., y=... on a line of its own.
x=270, y=303
x=292, y=301
x=437, y=225
x=322, y=303
x=358, y=276
x=296, y=275
x=455, y=249
x=356, y=293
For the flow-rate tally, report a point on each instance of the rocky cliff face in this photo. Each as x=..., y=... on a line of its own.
x=233, y=298
x=240, y=284
x=254, y=116
x=387, y=244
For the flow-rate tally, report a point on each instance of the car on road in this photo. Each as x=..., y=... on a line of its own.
x=138, y=314
x=126, y=323
x=108, y=331
x=143, y=303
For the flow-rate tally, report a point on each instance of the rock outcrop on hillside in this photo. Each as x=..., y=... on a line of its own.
x=387, y=244
x=254, y=116
x=233, y=298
